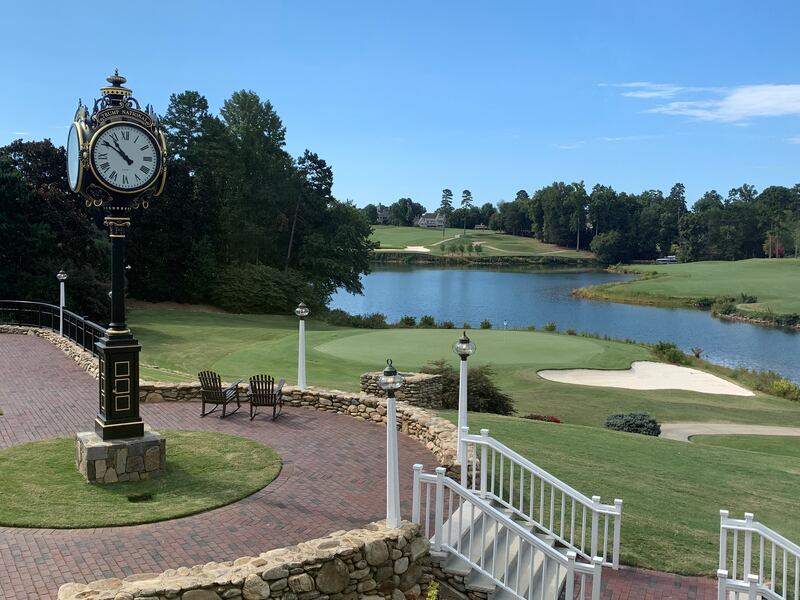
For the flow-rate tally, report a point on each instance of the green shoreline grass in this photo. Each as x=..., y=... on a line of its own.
x=41, y=487
x=774, y=282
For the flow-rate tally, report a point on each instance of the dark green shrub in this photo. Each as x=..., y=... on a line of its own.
x=723, y=306
x=669, y=352
x=747, y=298
x=407, y=321
x=486, y=324
x=427, y=321
x=570, y=332
x=343, y=319
x=478, y=248
x=466, y=325
x=550, y=326
x=531, y=327
x=483, y=395
x=447, y=325
x=268, y=290
x=634, y=423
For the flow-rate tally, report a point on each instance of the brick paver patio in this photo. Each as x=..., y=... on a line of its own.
x=332, y=478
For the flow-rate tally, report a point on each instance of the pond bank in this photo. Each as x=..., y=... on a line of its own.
x=429, y=258
x=721, y=306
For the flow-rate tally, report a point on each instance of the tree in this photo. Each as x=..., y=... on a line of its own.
x=608, y=247
x=446, y=207
x=184, y=123
x=405, y=211
x=466, y=203
x=45, y=227
x=371, y=213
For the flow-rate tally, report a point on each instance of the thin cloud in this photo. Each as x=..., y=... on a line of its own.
x=624, y=138
x=19, y=133
x=648, y=89
x=794, y=140
x=570, y=146
x=724, y=105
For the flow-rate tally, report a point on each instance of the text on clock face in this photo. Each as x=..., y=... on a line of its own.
x=125, y=157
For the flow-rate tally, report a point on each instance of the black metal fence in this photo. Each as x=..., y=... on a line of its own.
x=79, y=329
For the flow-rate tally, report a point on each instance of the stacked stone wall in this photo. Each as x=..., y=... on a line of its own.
x=373, y=563
x=419, y=389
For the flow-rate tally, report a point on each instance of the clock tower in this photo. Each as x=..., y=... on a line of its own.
x=116, y=161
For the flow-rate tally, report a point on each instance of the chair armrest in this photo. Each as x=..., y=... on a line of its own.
x=233, y=385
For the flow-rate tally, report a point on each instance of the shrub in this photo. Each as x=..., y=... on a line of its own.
x=531, y=327
x=550, y=326
x=466, y=325
x=634, y=423
x=407, y=321
x=486, y=324
x=343, y=319
x=747, y=298
x=545, y=418
x=478, y=248
x=433, y=591
x=571, y=332
x=447, y=325
x=268, y=290
x=427, y=321
x=670, y=353
x=483, y=395
x=723, y=306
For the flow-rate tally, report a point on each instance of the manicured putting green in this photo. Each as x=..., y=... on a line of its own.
x=415, y=347
x=41, y=487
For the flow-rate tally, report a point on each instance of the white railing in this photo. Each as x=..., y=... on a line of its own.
x=582, y=524
x=756, y=562
x=437, y=498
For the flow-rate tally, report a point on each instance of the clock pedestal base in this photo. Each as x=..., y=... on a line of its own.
x=126, y=459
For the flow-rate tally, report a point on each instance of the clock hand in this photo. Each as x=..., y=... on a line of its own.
x=122, y=154
x=118, y=151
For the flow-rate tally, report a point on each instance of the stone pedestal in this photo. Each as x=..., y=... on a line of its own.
x=127, y=459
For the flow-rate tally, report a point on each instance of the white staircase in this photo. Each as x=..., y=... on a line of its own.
x=494, y=553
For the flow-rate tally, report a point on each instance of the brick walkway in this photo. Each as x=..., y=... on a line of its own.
x=331, y=464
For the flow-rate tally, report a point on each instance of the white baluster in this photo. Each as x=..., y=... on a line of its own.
x=617, y=530
x=484, y=460
x=596, y=577
x=464, y=462
x=595, y=525
x=415, y=494
x=439, y=518
x=723, y=541
x=748, y=541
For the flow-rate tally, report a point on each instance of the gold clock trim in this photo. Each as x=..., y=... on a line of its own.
x=81, y=142
x=93, y=143
x=163, y=164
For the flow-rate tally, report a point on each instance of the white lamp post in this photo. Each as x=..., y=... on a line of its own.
x=302, y=312
x=62, y=277
x=389, y=382
x=464, y=348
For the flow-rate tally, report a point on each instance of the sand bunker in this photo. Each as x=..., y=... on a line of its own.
x=645, y=375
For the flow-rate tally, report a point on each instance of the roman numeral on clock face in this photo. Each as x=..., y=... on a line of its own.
x=126, y=135
x=144, y=169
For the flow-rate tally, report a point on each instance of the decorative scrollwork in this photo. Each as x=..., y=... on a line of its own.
x=98, y=195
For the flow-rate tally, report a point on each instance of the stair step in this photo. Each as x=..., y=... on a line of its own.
x=478, y=582
x=455, y=565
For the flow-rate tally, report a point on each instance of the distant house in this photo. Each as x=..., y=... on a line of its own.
x=383, y=215
x=481, y=227
x=430, y=220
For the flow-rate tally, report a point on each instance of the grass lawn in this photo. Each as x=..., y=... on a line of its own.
x=766, y=444
x=40, y=486
x=182, y=343
x=775, y=282
x=672, y=490
x=494, y=244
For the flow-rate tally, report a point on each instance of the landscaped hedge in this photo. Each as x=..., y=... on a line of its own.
x=483, y=395
x=634, y=423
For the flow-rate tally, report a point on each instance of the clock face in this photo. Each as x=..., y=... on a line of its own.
x=73, y=158
x=125, y=157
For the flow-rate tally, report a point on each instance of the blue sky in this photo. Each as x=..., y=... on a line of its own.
x=404, y=99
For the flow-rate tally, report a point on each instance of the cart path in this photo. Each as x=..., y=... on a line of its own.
x=332, y=478
x=684, y=431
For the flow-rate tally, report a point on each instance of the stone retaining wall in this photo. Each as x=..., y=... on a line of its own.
x=373, y=563
x=436, y=434
x=419, y=389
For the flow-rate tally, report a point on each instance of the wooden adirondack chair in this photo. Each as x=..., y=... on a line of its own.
x=264, y=392
x=212, y=392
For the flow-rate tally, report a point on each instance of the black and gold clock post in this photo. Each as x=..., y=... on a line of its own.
x=115, y=160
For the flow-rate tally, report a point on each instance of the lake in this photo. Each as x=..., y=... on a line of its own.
x=522, y=298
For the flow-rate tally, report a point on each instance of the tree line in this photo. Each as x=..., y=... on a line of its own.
x=623, y=227
x=241, y=223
